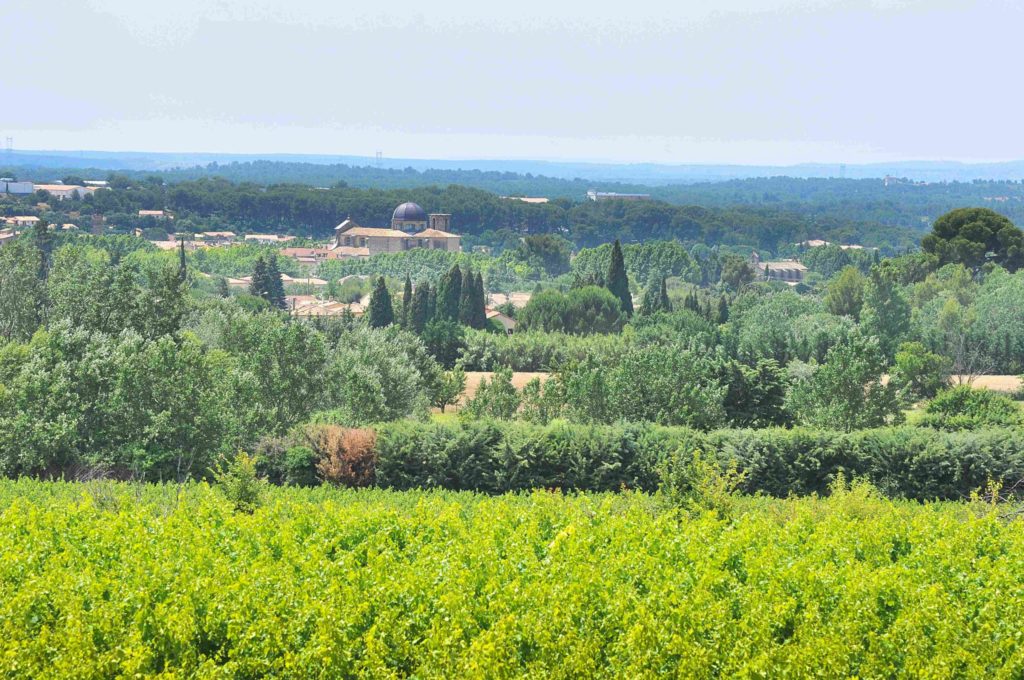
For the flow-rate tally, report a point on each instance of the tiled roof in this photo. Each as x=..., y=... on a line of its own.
x=436, y=233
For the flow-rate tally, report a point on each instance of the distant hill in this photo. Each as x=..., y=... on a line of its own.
x=644, y=174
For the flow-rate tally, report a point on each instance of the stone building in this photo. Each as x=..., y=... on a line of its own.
x=411, y=227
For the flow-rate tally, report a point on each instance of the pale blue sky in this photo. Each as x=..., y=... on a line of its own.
x=733, y=81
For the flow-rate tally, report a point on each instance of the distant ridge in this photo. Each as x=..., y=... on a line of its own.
x=651, y=174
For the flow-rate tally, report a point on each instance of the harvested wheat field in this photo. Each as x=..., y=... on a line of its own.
x=519, y=380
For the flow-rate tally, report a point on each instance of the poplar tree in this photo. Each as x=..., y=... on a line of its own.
x=617, y=281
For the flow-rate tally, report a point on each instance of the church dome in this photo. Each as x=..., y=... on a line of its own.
x=410, y=212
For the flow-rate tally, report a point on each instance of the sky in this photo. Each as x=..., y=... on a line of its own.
x=730, y=81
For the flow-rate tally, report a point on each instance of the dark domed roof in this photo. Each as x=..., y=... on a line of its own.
x=410, y=212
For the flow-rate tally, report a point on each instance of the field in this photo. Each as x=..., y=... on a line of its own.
x=103, y=580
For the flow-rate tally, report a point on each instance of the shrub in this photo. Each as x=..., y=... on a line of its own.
x=347, y=456
x=965, y=408
x=495, y=457
x=240, y=482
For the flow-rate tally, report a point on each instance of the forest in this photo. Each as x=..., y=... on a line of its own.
x=770, y=214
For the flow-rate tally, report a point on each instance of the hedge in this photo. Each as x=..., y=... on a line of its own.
x=497, y=457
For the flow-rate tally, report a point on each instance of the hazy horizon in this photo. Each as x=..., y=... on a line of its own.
x=739, y=82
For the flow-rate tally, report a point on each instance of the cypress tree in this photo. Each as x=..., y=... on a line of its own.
x=406, y=302
x=479, y=303
x=431, y=303
x=466, y=315
x=449, y=295
x=380, y=312
x=666, y=304
x=419, y=311
x=258, y=284
x=651, y=302
x=723, y=310
x=275, y=286
x=182, y=262
x=617, y=281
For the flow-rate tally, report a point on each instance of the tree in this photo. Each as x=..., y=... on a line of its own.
x=495, y=399
x=258, y=285
x=845, y=295
x=723, y=310
x=419, y=314
x=885, y=313
x=449, y=388
x=974, y=236
x=22, y=295
x=581, y=311
x=406, y=302
x=617, y=281
x=380, y=312
x=549, y=252
x=182, y=262
x=655, y=298
x=466, y=299
x=449, y=295
x=478, y=316
x=846, y=392
x=919, y=374
x=736, y=272
x=445, y=341
x=275, y=285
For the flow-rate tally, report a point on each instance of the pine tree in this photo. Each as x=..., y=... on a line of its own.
x=449, y=295
x=275, y=286
x=380, y=312
x=617, y=281
x=406, y=302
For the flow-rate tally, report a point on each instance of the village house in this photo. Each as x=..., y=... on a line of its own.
x=267, y=239
x=65, y=191
x=217, y=238
x=21, y=221
x=788, y=271
x=506, y=321
x=156, y=214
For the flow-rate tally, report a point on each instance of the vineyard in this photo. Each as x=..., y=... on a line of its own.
x=103, y=580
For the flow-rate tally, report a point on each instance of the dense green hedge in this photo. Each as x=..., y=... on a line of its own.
x=496, y=457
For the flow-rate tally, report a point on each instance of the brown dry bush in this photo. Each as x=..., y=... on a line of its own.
x=347, y=456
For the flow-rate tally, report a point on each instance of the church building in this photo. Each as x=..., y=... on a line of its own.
x=411, y=227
